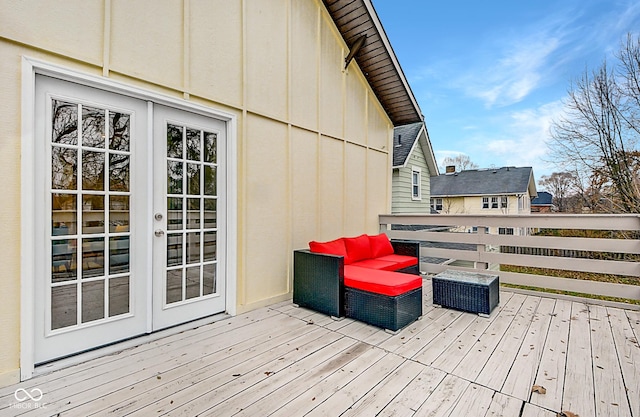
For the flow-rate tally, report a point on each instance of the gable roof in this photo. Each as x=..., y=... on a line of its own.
x=404, y=139
x=498, y=181
x=376, y=58
x=543, y=199
x=409, y=137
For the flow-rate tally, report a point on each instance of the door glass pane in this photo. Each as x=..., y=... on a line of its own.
x=63, y=260
x=210, y=149
x=174, y=141
x=119, y=213
x=209, y=279
x=174, y=285
x=174, y=213
x=210, y=180
x=92, y=170
x=118, y=296
x=118, y=172
x=92, y=257
x=174, y=249
x=64, y=306
x=174, y=177
x=93, y=127
x=193, y=144
x=93, y=214
x=193, y=213
x=119, y=254
x=193, y=179
x=92, y=300
x=118, y=131
x=65, y=123
x=210, y=246
x=210, y=213
x=193, y=247
x=193, y=282
x=64, y=168
x=64, y=214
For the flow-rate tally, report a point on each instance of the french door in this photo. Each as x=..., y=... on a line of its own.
x=130, y=228
x=189, y=183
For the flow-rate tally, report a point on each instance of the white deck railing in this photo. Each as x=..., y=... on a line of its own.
x=469, y=242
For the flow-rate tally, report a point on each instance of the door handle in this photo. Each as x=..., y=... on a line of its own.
x=159, y=232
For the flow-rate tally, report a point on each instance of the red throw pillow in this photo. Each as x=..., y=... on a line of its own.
x=380, y=245
x=334, y=247
x=358, y=248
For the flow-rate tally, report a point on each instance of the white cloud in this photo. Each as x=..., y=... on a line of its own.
x=523, y=140
x=513, y=75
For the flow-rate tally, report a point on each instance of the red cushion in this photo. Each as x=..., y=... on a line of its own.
x=334, y=247
x=380, y=245
x=380, y=282
x=399, y=261
x=358, y=248
x=376, y=264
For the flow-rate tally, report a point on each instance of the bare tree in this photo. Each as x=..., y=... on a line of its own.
x=461, y=162
x=561, y=185
x=600, y=130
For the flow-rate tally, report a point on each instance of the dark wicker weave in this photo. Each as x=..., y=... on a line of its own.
x=318, y=282
x=466, y=291
x=392, y=313
x=408, y=248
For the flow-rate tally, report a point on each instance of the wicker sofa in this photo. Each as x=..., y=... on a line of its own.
x=367, y=278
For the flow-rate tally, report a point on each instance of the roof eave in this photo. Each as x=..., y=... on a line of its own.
x=400, y=111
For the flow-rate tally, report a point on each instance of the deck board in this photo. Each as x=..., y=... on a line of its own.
x=522, y=374
x=288, y=361
x=628, y=354
x=611, y=397
x=578, y=382
x=551, y=371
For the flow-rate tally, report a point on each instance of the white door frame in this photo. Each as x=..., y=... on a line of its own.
x=28, y=241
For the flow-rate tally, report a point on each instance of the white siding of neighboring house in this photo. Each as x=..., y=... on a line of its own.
x=401, y=179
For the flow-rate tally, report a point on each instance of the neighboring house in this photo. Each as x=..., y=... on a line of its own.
x=413, y=166
x=507, y=190
x=161, y=160
x=543, y=203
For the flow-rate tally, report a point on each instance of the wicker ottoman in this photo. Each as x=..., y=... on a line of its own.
x=466, y=291
x=389, y=313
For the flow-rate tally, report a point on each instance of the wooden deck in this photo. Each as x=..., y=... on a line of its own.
x=287, y=361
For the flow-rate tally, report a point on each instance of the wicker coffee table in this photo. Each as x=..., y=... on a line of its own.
x=467, y=291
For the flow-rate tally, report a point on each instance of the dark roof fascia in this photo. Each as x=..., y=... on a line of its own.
x=362, y=14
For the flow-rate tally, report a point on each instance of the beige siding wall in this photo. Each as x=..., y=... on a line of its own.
x=402, y=203
x=313, y=141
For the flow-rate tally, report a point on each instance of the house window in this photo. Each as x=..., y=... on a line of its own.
x=503, y=202
x=416, y=193
x=436, y=204
x=494, y=202
x=505, y=230
x=485, y=202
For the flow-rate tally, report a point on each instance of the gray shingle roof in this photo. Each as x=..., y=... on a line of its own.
x=507, y=180
x=403, y=139
x=543, y=199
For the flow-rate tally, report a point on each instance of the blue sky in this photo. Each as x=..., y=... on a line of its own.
x=489, y=76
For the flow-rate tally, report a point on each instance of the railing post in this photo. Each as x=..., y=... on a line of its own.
x=480, y=248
